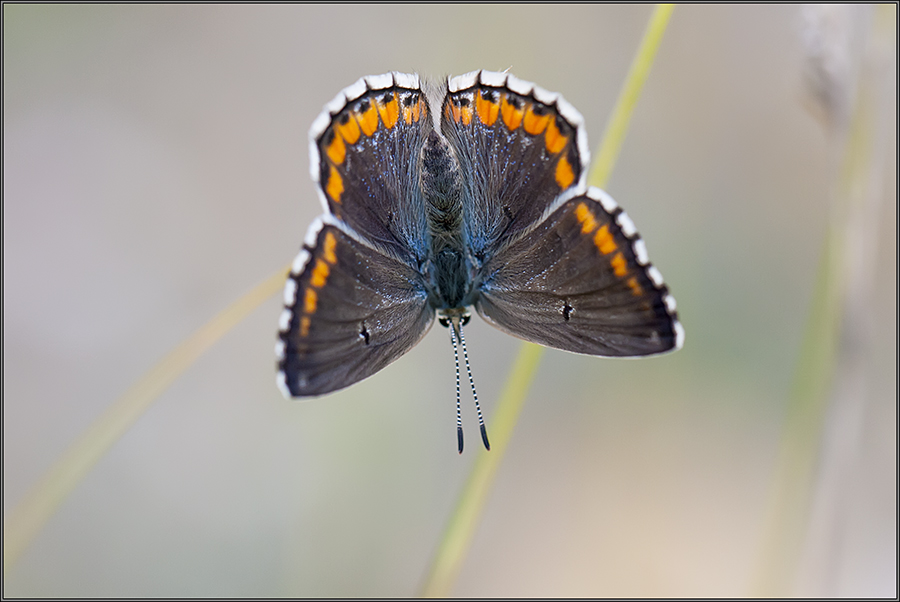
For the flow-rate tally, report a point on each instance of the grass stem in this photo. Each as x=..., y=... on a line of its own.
x=460, y=530
x=26, y=520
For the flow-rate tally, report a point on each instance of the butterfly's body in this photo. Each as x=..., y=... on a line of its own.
x=485, y=207
x=448, y=268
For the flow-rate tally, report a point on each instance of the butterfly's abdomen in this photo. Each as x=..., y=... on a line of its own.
x=442, y=188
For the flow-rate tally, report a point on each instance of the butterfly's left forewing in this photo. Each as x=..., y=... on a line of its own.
x=581, y=281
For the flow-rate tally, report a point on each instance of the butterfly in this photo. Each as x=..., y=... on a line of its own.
x=480, y=203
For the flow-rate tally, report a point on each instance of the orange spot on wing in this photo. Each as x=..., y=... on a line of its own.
x=337, y=150
x=335, y=186
x=368, y=120
x=619, y=265
x=320, y=274
x=587, y=219
x=604, y=240
x=535, y=124
x=636, y=289
x=304, y=326
x=466, y=112
x=310, y=301
x=512, y=116
x=414, y=111
x=349, y=131
x=389, y=112
x=564, y=174
x=487, y=110
x=461, y=114
x=328, y=248
x=554, y=139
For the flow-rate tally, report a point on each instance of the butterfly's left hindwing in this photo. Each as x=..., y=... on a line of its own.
x=580, y=281
x=519, y=147
x=350, y=311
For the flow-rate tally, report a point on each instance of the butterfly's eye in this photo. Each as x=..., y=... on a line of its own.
x=444, y=321
x=465, y=319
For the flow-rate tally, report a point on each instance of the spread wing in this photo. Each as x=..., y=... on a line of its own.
x=350, y=310
x=354, y=301
x=365, y=159
x=520, y=148
x=580, y=281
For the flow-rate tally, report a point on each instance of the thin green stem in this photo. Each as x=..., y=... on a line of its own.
x=617, y=126
x=457, y=537
x=459, y=532
x=32, y=513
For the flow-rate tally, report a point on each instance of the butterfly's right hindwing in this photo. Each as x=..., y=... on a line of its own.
x=365, y=153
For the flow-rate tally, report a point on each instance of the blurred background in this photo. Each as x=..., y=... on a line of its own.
x=155, y=169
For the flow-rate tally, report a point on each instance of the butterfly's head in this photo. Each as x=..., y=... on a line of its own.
x=456, y=315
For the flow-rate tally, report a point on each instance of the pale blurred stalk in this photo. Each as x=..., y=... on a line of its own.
x=26, y=520
x=823, y=422
x=457, y=537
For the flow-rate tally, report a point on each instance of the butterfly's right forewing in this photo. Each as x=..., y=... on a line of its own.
x=349, y=312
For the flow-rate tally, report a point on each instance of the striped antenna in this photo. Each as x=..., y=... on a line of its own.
x=459, y=431
x=462, y=340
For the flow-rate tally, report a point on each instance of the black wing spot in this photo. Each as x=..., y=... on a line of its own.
x=567, y=311
x=344, y=119
x=388, y=97
x=514, y=102
x=409, y=100
x=363, y=333
x=364, y=106
x=507, y=212
x=576, y=164
x=539, y=109
x=489, y=95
